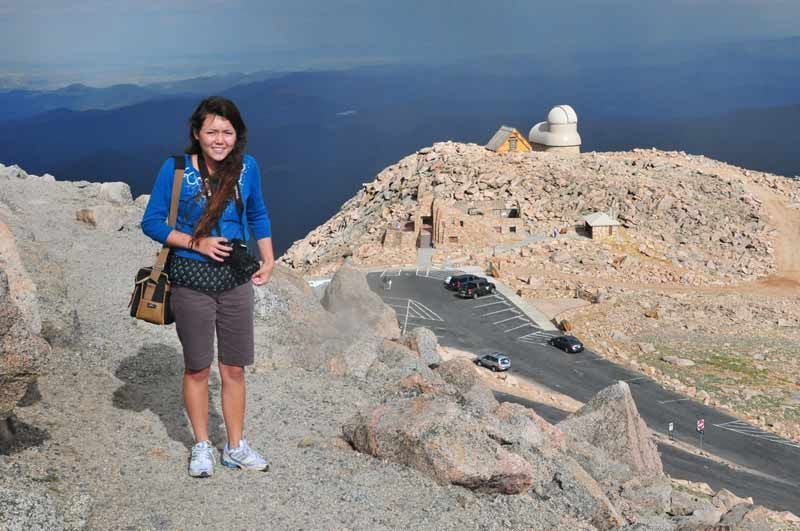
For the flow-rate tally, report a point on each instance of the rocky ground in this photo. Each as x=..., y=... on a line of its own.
x=365, y=429
x=706, y=267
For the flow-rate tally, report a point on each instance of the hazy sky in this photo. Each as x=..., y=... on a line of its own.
x=102, y=41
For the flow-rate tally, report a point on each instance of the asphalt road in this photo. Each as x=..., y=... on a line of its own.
x=493, y=323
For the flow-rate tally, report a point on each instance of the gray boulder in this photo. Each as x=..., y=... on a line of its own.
x=141, y=201
x=423, y=341
x=683, y=503
x=725, y=500
x=701, y=518
x=462, y=374
x=22, y=289
x=395, y=363
x=293, y=329
x=646, y=495
x=22, y=354
x=116, y=192
x=610, y=421
x=563, y=483
x=356, y=306
x=434, y=436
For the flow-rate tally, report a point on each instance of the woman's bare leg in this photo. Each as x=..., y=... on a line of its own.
x=195, y=397
x=233, y=401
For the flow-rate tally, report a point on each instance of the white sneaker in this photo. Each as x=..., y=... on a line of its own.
x=243, y=457
x=201, y=465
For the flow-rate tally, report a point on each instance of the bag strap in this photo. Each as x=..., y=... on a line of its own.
x=177, y=181
x=240, y=211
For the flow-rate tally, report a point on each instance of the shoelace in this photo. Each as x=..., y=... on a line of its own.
x=198, y=450
x=246, y=452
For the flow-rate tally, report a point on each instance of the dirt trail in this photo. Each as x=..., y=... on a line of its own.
x=786, y=221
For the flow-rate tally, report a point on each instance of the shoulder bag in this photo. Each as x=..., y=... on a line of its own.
x=150, y=300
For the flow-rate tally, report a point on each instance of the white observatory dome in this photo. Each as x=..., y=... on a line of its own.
x=559, y=131
x=562, y=114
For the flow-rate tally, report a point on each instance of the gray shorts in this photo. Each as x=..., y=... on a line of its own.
x=198, y=315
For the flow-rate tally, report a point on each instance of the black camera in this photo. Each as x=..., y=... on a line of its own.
x=240, y=258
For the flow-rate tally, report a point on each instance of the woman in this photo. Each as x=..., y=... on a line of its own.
x=220, y=196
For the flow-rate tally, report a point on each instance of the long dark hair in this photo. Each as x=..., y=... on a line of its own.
x=229, y=169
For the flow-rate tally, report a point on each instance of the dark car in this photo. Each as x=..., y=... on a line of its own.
x=457, y=281
x=566, y=343
x=476, y=289
x=496, y=361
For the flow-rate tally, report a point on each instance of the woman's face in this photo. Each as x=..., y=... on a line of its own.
x=217, y=137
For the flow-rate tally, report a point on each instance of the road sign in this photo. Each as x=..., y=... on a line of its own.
x=670, y=428
x=701, y=424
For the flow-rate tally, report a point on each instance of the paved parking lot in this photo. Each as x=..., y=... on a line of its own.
x=495, y=323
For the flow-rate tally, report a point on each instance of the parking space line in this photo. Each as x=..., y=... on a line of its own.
x=413, y=309
x=635, y=379
x=747, y=430
x=501, y=311
x=538, y=335
x=671, y=401
x=491, y=304
x=510, y=318
x=498, y=297
x=517, y=327
x=433, y=316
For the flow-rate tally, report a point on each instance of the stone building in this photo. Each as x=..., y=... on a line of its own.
x=477, y=224
x=401, y=235
x=508, y=140
x=559, y=134
x=600, y=225
x=448, y=224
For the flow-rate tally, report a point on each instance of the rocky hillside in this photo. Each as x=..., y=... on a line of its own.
x=705, y=268
x=365, y=429
x=675, y=208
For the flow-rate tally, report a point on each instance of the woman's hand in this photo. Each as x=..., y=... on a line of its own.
x=264, y=272
x=213, y=247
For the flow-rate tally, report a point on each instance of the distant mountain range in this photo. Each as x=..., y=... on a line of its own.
x=319, y=135
x=18, y=104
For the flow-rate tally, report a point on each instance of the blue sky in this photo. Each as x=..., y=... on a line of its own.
x=102, y=41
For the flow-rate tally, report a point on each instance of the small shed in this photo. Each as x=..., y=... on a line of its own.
x=508, y=140
x=600, y=225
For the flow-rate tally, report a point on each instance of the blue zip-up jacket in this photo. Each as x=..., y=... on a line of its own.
x=193, y=202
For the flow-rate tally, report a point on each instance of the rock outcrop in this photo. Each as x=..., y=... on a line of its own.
x=423, y=341
x=611, y=422
x=712, y=226
x=434, y=436
x=349, y=298
x=22, y=355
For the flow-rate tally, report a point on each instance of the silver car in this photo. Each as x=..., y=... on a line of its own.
x=496, y=361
